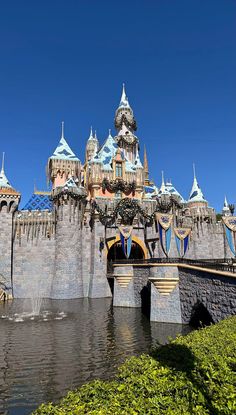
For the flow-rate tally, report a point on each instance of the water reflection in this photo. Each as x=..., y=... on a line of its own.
x=41, y=360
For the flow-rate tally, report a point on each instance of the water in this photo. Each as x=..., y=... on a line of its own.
x=68, y=344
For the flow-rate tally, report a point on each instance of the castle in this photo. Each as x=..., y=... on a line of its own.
x=62, y=242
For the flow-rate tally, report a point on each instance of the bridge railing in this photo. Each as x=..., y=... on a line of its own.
x=223, y=264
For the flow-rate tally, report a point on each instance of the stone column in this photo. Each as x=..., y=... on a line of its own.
x=124, y=293
x=165, y=299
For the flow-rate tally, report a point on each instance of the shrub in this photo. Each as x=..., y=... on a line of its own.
x=194, y=374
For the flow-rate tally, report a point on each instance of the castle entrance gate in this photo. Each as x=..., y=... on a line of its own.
x=116, y=252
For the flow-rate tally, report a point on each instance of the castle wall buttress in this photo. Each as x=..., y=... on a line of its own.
x=98, y=285
x=86, y=252
x=67, y=279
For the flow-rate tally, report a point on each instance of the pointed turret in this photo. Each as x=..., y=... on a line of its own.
x=63, y=150
x=145, y=166
x=125, y=125
x=124, y=103
x=196, y=196
x=162, y=188
x=4, y=182
x=9, y=197
x=63, y=163
x=92, y=146
x=124, y=115
x=226, y=209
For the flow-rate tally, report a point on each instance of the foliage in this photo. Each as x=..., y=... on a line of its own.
x=218, y=217
x=194, y=374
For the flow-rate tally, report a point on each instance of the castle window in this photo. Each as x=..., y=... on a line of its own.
x=118, y=169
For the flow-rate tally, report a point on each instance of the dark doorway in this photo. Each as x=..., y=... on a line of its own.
x=200, y=316
x=146, y=300
x=116, y=252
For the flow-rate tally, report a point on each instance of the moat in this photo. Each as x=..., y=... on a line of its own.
x=71, y=343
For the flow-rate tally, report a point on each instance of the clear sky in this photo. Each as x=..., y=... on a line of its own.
x=67, y=60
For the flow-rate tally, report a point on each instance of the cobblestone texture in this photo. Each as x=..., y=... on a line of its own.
x=216, y=293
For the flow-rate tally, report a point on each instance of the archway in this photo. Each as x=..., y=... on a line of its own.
x=200, y=316
x=116, y=252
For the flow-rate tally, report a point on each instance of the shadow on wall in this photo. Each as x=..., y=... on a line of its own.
x=200, y=316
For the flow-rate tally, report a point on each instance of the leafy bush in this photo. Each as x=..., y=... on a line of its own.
x=194, y=374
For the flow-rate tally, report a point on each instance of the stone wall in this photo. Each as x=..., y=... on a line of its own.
x=165, y=308
x=129, y=282
x=217, y=293
x=33, y=265
x=6, y=246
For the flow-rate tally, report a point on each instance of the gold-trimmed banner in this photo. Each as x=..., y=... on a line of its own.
x=230, y=222
x=125, y=230
x=182, y=233
x=164, y=220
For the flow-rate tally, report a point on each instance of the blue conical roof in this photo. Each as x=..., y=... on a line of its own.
x=63, y=150
x=196, y=194
x=124, y=103
x=4, y=182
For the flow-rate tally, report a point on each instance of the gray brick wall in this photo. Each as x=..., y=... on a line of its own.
x=67, y=279
x=6, y=246
x=33, y=264
x=217, y=293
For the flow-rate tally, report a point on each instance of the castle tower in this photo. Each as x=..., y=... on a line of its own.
x=125, y=125
x=69, y=198
x=9, y=201
x=92, y=146
x=63, y=164
x=226, y=209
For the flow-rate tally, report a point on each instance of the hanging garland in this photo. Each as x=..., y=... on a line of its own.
x=127, y=208
x=118, y=184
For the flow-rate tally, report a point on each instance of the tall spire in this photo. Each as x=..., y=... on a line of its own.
x=196, y=194
x=62, y=129
x=226, y=209
x=162, y=188
x=95, y=135
x=4, y=183
x=124, y=99
x=3, y=158
x=91, y=133
x=145, y=166
x=194, y=171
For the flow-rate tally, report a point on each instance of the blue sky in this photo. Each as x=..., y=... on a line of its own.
x=67, y=60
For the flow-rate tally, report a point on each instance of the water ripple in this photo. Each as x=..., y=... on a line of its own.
x=41, y=360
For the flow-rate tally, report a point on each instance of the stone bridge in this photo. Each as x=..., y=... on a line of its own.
x=175, y=290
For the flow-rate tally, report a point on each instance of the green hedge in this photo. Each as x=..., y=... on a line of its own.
x=194, y=374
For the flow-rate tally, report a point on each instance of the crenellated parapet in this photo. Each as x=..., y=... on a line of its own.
x=9, y=200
